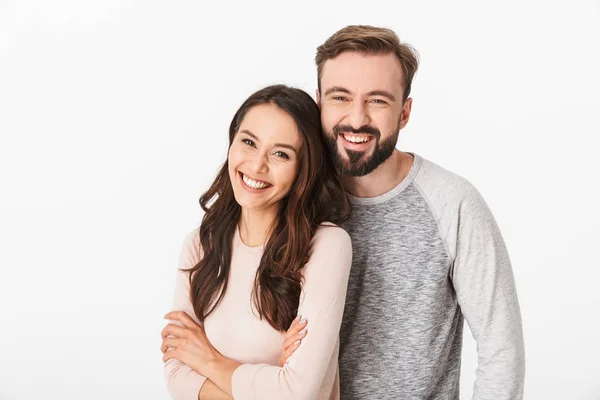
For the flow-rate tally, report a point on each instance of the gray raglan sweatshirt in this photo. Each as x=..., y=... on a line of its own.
x=427, y=255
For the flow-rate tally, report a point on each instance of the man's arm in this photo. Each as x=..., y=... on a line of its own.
x=485, y=287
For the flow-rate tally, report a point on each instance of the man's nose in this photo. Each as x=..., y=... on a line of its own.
x=358, y=115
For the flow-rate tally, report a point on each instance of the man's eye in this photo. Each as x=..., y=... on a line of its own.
x=282, y=155
x=248, y=142
x=378, y=101
x=340, y=98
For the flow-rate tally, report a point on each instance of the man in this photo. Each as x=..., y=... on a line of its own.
x=426, y=250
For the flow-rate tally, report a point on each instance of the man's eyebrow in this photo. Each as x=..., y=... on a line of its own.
x=383, y=93
x=336, y=89
x=287, y=146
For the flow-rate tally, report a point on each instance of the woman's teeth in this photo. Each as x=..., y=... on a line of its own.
x=357, y=138
x=254, y=184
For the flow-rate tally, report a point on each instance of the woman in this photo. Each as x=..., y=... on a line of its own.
x=266, y=253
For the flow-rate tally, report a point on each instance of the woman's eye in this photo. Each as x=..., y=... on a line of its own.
x=282, y=155
x=248, y=142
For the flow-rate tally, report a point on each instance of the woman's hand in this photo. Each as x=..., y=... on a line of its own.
x=187, y=344
x=293, y=338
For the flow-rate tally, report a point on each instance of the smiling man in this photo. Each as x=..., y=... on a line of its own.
x=353, y=128
x=427, y=253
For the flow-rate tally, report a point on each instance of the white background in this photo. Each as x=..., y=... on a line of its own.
x=114, y=118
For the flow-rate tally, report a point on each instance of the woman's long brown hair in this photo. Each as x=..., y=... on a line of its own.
x=316, y=196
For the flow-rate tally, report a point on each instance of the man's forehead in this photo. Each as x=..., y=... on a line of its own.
x=362, y=73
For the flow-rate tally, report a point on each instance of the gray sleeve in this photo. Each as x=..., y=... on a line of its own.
x=485, y=288
x=483, y=279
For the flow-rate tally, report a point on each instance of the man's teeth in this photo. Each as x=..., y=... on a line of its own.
x=254, y=184
x=357, y=138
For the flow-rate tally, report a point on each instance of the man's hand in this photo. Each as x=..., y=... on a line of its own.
x=293, y=337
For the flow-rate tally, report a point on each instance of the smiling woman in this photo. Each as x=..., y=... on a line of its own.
x=263, y=165
x=267, y=251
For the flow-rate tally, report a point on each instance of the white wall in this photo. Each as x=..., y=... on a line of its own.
x=114, y=117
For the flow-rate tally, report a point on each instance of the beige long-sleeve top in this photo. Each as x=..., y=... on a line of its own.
x=235, y=330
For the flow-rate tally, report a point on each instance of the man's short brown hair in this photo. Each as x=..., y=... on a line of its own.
x=367, y=39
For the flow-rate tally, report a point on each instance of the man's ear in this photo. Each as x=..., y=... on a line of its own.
x=405, y=116
x=318, y=97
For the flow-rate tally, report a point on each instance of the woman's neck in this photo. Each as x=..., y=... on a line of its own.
x=255, y=226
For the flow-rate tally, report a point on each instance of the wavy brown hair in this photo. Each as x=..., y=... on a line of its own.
x=316, y=196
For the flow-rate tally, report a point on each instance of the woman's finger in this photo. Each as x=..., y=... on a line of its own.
x=170, y=342
x=169, y=354
x=295, y=332
x=287, y=353
x=182, y=317
x=293, y=338
x=172, y=329
x=293, y=325
x=295, y=341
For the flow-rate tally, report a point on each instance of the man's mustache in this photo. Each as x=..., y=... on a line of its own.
x=371, y=130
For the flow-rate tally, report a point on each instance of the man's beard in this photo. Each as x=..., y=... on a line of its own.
x=357, y=164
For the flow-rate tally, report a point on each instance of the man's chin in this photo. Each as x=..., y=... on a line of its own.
x=360, y=164
x=346, y=167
